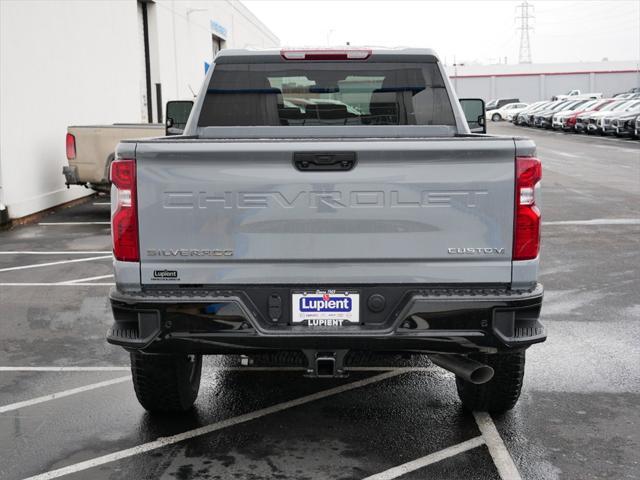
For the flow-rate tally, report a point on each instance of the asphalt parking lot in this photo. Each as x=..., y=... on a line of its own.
x=67, y=406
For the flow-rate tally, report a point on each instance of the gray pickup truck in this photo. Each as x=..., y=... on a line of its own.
x=321, y=206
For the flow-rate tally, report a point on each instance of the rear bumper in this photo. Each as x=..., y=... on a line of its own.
x=413, y=319
x=71, y=175
x=625, y=130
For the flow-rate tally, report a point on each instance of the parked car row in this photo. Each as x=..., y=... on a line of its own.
x=592, y=116
x=631, y=93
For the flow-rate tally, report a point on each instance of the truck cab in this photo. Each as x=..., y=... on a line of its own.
x=323, y=203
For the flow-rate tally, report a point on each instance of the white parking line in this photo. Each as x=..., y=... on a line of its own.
x=398, y=369
x=102, y=203
x=64, y=369
x=85, y=252
x=197, y=432
x=590, y=140
x=619, y=142
x=26, y=284
x=565, y=154
x=65, y=393
x=231, y=369
x=48, y=224
x=86, y=279
x=435, y=457
x=597, y=221
x=501, y=457
x=38, y=265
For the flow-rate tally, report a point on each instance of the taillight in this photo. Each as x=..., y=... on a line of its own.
x=124, y=220
x=71, y=147
x=526, y=234
x=325, y=54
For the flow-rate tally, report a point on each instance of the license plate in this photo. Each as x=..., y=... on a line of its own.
x=325, y=308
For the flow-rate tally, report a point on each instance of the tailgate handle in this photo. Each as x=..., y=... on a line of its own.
x=324, y=161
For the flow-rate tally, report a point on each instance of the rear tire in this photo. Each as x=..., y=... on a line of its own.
x=496, y=117
x=501, y=392
x=166, y=383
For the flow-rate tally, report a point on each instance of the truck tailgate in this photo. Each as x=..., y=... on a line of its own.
x=409, y=211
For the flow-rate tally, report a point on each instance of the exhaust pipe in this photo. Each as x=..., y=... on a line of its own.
x=463, y=367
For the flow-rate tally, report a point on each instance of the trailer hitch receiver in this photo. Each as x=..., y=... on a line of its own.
x=325, y=364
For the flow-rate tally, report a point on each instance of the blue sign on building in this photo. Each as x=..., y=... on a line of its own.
x=218, y=29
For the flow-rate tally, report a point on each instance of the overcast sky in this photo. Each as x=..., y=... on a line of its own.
x=480, y=31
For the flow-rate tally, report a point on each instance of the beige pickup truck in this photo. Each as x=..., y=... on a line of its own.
x=90, y=150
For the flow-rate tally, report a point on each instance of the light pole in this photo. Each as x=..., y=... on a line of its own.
x=329, y=36
x=192, y=10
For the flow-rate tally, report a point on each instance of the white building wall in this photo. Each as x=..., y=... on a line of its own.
x=69, y=62
x=531, y=82
x=185, y=42
x=62, y=63
x=512, y=87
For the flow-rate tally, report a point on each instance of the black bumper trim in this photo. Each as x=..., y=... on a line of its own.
x=443, y=319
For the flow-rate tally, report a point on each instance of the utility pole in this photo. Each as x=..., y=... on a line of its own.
x=524, y=13
x=331, y=30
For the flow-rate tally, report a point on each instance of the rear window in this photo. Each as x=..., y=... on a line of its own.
x=326, y=93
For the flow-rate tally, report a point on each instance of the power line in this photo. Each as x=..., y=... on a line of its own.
x=524, y=13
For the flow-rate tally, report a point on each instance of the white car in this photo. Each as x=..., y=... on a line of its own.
x=506, y=112
x=577, y=94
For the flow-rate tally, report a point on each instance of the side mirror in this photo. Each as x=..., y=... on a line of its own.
x=474, y=112
x=177, y=114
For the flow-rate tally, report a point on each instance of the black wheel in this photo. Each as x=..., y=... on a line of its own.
x=501, y=392
x=166, y=383
x=496, y=117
